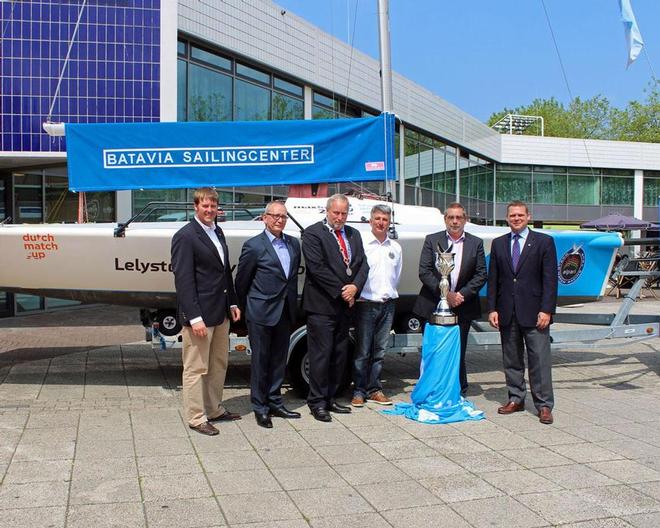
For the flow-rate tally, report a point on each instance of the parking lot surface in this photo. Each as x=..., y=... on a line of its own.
x=91, y=434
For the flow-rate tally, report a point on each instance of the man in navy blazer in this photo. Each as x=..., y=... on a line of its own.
x=467, y=278
x=336, y=271
x=267, y=288
x=522, y=296
x=205, y=302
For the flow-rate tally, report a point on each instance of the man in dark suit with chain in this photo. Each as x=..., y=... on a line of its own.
x=267, y=288
x=522, y=296
x=465, y=281
x=336, y=271
x=205, y=303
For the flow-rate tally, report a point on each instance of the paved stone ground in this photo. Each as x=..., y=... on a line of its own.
x=91, y=434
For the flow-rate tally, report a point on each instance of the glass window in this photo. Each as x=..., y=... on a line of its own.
x=252, y=73
x=618, y=172
x=651, y=191
x=549, y=188
x=28, y=303
x=556, y=170
x=513, y=186
x=211, y=58
x=62, y=205
x=324, y=100
x=181, y=47
x=28, y=198
x=319, y=112
x=252, y=102
x=617, y=191
x=583, y=190
x=411, y=162
x=285, y=107
x=209, y=96
x=287, y=86
x=181, y=96
x=142, y=198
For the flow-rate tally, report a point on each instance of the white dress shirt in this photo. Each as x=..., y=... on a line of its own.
x=384, y=260
x=210, y=231
x=457, y=250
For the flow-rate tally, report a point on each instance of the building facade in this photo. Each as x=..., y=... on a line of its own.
x=165, y=60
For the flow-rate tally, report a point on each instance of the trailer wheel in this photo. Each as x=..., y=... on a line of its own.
x=409, y=324
x=168, y=323
x=298, y=368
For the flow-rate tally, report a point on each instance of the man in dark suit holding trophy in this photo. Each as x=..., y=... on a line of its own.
x=465, y=279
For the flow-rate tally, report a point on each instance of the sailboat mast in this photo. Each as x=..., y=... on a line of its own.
x=386, y=71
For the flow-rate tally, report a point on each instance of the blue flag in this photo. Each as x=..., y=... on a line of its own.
x=634, y=40
x=109, y=156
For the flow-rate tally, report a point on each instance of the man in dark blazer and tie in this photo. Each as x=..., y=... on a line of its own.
x=205, y=302
x=336, y=271
x=522, y=296
x=267, y=288
x=465, y=281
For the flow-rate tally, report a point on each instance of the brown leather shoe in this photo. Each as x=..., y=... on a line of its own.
x=545, y=415
x=226, y=417
x=357, y=401
x=205, y=429
x=379, y=398
x=511, y=407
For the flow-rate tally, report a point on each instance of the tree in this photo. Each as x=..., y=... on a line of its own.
x=595, y=118
x=639, y=121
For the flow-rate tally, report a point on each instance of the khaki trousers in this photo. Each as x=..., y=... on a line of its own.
x=204, y=368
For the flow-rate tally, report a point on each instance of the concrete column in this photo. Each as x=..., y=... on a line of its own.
x=124, y=209
x=307, y=95
x=638, y=204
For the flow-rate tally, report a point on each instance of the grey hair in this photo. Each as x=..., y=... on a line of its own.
x=336, y=198
x=381, y=208
x=269, y=205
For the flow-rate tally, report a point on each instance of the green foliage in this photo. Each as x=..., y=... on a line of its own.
x=595, y=118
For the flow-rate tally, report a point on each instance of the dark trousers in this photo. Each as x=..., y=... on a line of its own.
x=464, y=327
x=270, y=345
x=515, y=339
x=327, y=349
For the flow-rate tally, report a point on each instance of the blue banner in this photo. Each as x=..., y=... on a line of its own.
x=118, y=156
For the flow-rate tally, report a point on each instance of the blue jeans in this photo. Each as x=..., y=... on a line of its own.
x=373, y=322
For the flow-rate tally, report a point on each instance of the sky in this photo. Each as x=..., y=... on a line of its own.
x=487, y=55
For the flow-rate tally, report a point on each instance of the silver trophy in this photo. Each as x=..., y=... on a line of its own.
x=444, y=263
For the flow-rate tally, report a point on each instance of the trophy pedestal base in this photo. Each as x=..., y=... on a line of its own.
x=443, y=319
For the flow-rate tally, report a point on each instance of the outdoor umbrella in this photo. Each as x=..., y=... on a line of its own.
x=618, y=222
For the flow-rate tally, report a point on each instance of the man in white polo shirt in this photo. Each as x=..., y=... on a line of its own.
x=375, y=309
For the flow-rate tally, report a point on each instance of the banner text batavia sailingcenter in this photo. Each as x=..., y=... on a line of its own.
x=187, y=155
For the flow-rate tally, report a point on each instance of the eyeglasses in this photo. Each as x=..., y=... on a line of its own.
x=278, y=217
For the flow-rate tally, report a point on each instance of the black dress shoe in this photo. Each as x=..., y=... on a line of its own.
x=321, y=414
x=340, y=409
x=263, y=420
x=226, y=417
x=283, y=412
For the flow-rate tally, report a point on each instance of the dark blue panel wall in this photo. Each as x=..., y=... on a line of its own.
x=111, y=75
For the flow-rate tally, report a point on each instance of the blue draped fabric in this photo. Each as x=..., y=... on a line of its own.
x=437, y=398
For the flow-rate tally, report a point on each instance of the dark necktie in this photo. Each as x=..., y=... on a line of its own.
x=515, y=252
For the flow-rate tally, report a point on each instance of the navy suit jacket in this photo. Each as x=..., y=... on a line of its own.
x=204, y=286
x=471, y=277
x=325, y=273
x=263, y=289
x=532, y=288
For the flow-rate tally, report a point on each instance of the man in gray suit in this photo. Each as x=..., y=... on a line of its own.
x=522, y=296
x=465, y=281
x=267, y=289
